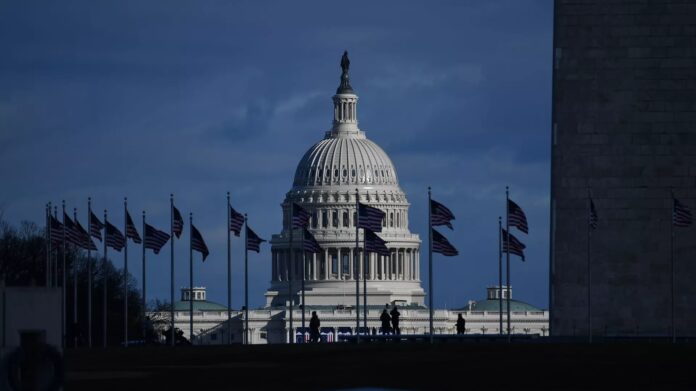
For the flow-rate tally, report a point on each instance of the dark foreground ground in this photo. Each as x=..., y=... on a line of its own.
x=414, y=366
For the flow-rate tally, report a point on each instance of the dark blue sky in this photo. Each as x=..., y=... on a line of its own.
x=144, y=98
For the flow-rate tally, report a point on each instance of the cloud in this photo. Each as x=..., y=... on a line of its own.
x=403, y=77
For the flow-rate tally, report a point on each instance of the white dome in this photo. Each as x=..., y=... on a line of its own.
x=345, y=159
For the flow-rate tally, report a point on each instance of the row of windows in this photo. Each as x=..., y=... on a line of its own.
x=364, y=175
x=338, y=219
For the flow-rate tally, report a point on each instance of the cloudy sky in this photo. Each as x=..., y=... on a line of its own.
x=147, y=98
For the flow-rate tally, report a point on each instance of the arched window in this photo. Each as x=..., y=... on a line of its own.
x=346, y=222
x=352, y=172
x=398, y=220
x=391, y=219
x=335, y=218
x=324, y=219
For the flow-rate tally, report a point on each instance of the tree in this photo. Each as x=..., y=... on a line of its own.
x=23, y=263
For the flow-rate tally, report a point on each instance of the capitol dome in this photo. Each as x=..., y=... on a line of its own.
x=346, y=160
x=336, y=173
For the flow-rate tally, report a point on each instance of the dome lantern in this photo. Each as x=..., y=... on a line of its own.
x=345, y=102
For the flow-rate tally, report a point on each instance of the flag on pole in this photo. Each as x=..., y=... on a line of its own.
x=236, y=221
x=95, y=226
x=681, y=215
x=197, y=242
x=131, y=231
x=441, y=245
x=375, y=244
x=370, y=218
x=309, y=243
x=253, y=241
x=300, y=217
x=114, y=238
x=593, y=215
x=72, y=235
x=178, y=223
x=516, y=217
x=154, y=238
x=515, y=247
x=56, y=230
x=440, y=215
x=85, y=240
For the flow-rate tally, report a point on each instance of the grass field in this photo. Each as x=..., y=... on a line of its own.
x=414, y=366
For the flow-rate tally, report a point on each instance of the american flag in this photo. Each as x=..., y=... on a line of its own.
x=56, y=230
x=95, y=226
x=72, y=235
x=131, y=231
x=310, y=244
x=442, y=246
x=516, y=247
x=177, y=222
x=114, y=238
x=370, y=218
x=516, y=217
x=300, y=217
x=85, y=241
x=253, y=240
x=154, y=238
x=375, y=244
x=197, y=242
x=440, y=215
x=593, y=215
x=681, y=215
x=236, y=221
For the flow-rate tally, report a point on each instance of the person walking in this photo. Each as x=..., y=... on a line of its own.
x=385, y=318
x=314, y=324
x=461, y=325
x=395, y=320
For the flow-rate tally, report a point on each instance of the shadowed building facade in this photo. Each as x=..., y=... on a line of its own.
x=624, y=130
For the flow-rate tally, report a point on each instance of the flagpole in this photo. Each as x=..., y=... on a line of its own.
x=89, y=273
x=671, y=266
x=246, y=280
x=507, y=247
x=171, y=244
x=47, y=212
x=191, y=278
x=63, y=293
x=74, y=267
x=364, y=279
x=430, y=262
x=125, y=273
x=144, y=325
x=104, y=281
x=229, y=273
x=290, y=274
x=55, y=264
x=356, y=266
x=589, y=267
x=500, y=275
x=304, y=261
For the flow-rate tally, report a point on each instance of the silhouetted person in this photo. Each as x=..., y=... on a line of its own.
x=461, y=325
x=385, y=318
x=395, y=320
x=314, y=324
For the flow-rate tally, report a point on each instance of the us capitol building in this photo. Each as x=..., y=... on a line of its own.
x=325, y=184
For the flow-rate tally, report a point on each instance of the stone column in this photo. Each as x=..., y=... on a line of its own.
x=339, y=264
x=326, y=264
x=314, y=266
x=350, y=264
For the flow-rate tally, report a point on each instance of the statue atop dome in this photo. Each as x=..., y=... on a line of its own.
x=345, y=62
x=344, y=87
